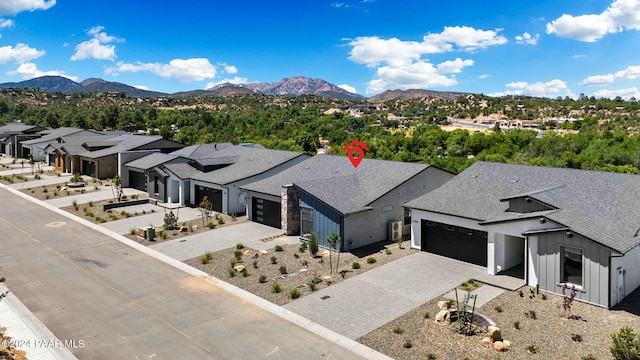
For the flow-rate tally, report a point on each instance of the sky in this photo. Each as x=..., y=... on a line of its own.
x=538, y=48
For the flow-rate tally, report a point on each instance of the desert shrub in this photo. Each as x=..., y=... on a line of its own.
x=245, y=272
x=426, y=315
x=388, y=251
x=231, y=272
x=371, y=260
x=206, y=258
x=313, y=245
x=275, y=288
x=313, y=286
x=294, y=293
x=239, y=246
x=532, y=349
x=516, y=325
x=170, y=221
x=132, y=231
x=211, y=225
x=408, y=344
x=304, y=262
x=355, y=265
x=99, y=219
x=398, y=330
x=431, y=356
x=576, y=337
x=221, y=220
x=283, y=269
x=296, y=256
x=255, y=264
x=531, y=315
x=274, y=260
x=237, y=253
x=498, y=309
x=626, y=344
x=302, y=247
x=278, y=248
x=262, y=279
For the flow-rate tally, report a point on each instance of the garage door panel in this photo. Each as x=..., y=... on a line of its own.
x=266, y=212
x=455, y=242
x=137, y=180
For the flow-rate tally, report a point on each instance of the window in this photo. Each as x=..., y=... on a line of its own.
x=156, y=187
x=407, y=216
x=306, y=220
x=571, y=259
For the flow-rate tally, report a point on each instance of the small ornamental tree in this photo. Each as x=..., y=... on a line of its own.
x=170, y=221
x=205, y=208
x=334, y=241
x=116, y=185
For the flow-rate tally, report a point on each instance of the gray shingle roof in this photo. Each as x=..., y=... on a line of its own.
x=201, y=151
x=52, y=135
x=602, y=206
x=334, y=180
x=244, y=162
x=15, y=128
x=121, y=143
x=150, y=161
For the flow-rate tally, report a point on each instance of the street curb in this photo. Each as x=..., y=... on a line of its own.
x=294, y=318
x=36, y=348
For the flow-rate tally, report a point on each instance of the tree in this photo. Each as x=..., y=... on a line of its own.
x=170, y=221
x=313, y=244
x=116, y=186
x=334, y=241
x=205, y=208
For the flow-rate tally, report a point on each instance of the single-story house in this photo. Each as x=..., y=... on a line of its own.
x=12, y=134
x=145, y=174
x=37, y=147
x=104, y=156
x=219, y=170
x=553, y=227
x=327, y=193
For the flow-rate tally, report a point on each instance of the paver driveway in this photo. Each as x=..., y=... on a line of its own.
x=359, y=305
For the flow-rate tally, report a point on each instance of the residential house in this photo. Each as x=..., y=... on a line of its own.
x=218, y=171
x=37, y=147
x=552, y=227
x=12, y=134
x=327, y=193
x=145, y=173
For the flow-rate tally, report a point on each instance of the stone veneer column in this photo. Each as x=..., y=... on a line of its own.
x=290, y=210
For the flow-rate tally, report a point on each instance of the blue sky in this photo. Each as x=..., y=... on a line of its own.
x=540, y=48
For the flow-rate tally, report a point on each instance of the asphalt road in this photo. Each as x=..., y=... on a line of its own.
x=124, y=304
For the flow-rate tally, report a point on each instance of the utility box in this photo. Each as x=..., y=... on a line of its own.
x=150, y=233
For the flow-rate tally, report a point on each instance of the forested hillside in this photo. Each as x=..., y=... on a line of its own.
x=605, y=138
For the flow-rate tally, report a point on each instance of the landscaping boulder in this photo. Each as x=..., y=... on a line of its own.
x=248, y=253
x=443, y=317
x=142, y=232
x=194, y=227
x=500, y=346
x=158, y=230
x=239, y=268
x=443, y=305
x=263, y=252
x=325, y=253
x=184, y=229
x=494, y=333
x=486, y=340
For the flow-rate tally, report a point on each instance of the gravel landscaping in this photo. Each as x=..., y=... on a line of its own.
x=61, y=190
x=93, y=211
x=543, y=326
x=299, y=269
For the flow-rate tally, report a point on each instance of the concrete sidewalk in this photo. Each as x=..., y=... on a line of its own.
x=248, y=233
x=21, y=171
x=359, y=305
x=28, y=333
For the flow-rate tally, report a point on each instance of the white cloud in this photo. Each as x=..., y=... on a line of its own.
x=527, y=39
x=229, y=69
x=453, y=66
x=623, y=93
x=401, y=64
x=141, y=87
x=6, y=23
x=621, y=15
x=598, y=80
x=100, y=47
x=349, y=88
x=631, y=72
x=340, y=5
x=549, y=89
x=30, y=71
x=12, y=7
x=185, y=70
x=466, y=38
x=484, y=76
x=20, y=54
x=236, y=80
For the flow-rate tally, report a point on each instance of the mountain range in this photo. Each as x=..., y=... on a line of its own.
x=294, y=86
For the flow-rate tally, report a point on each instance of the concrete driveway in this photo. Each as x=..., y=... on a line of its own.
x=363, y=303
x=248, y=233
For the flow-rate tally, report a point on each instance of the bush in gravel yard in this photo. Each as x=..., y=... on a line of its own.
x=313, y=286
x=294, y=293
x=274, y=260
x=426, y=315
x=531, y=315
x=302, y=247
x=516, y=325
x=221, y=220
x=371, y=260
x=262, y=279
x=231, y=272
x=278, y=248
x=408, y=344
x=99, y=219
x=283, y=269
x=398, y=330
x=388, y=251
x=245, y=272
x=431, y=356
x=532, y=349
x=355, y=265
x=588, y=357
x=313, y=245
x=626, y=344
x=576, y=337
x=255, y=264
x=276, y=288
x=239, y=246
x=206, y=258
x=498, y=309
x=211, y=225
x=237, y=253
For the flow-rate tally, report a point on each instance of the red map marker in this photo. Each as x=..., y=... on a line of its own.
x=353, y=147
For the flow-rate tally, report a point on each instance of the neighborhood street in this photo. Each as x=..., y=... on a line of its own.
x=124, y=304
